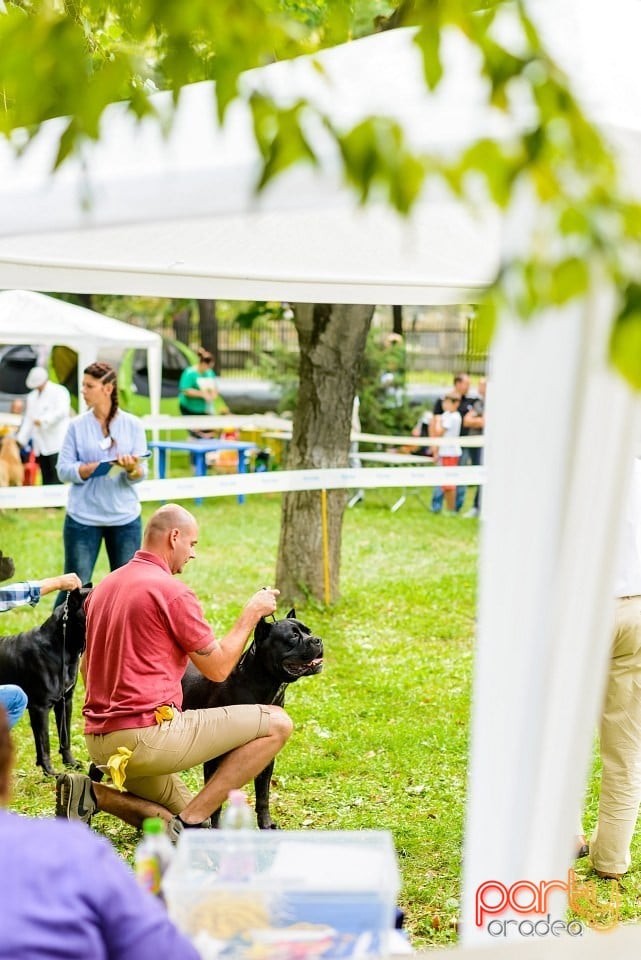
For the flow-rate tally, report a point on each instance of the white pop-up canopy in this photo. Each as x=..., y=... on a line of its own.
x=27, y=317
x=178, y=217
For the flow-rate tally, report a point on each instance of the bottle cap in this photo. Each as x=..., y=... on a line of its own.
x=237, y=797
x=153, y=825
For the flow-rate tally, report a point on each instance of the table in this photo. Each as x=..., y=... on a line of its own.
x=384, y=439
x=398, y=459
x=197, y=449
x=394, y=459
x=251, y=423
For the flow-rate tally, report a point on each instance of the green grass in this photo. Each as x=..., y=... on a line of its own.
x=381, y=736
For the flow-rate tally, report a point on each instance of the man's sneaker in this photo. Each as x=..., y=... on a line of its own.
x=472, y=512
x=74, y=799
x=176, y=826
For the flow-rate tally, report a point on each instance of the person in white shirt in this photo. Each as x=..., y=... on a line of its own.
x=620, y=725
x=448, y=424
x=353, y=459
x=45, y=421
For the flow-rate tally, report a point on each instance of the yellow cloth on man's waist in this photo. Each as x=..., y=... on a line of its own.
x=165, y=712
x=117, y=766
x=117, y=763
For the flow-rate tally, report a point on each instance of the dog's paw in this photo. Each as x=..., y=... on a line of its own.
x=70, y=761
x=266, y=823
x=48, y=770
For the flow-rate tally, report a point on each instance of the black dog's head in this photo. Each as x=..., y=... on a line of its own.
x=287, y=649
x=69, y=620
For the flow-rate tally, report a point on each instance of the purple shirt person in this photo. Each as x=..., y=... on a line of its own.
x=66, y=893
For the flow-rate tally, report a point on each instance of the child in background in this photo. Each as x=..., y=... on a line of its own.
x=448, y=424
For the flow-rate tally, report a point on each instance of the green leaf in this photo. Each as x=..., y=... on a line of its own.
x=358, y=148
x=625, y=340
x=374, y=153
x=573, y=221
x=406, y=185
x=484, y=324
x=568, y=279
x=632, y=219
x=280, y=138
x=428, y=39
x=67, y=142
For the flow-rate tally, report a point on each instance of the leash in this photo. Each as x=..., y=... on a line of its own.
x=65, y=620
x=272, y=615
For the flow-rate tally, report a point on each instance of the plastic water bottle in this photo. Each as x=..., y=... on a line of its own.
x=153, y=855
x=238, y=861
x=237, y=815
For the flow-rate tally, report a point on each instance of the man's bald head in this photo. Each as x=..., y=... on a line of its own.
x=171, y=533
x=171, y=516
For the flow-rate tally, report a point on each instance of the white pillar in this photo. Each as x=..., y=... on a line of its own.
x=561, y=426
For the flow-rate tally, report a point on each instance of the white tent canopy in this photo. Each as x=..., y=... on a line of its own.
x=142, y=213
x=27, y=317
x=178, y=217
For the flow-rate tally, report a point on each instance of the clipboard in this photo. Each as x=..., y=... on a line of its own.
x=105, y=466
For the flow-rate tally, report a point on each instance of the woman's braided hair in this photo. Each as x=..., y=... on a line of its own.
x=106, y=374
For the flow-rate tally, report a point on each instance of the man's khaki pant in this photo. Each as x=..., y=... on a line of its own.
x=620, y=734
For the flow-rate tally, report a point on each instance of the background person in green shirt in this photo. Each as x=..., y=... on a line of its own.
x=197, y=390
x=192, y=398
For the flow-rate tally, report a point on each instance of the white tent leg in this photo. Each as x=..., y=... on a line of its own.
x=558, y=458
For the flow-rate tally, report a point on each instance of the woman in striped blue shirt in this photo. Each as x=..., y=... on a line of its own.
x=101, y=459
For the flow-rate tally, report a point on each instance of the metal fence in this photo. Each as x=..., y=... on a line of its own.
x=441, y=340
x=446, y=343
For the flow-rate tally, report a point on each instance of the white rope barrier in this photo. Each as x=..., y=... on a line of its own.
x=277, y=481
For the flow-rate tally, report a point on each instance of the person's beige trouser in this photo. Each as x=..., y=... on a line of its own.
x=158, y=753
x=620, y=734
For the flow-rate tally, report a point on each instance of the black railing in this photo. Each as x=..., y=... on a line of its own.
x=440, y=343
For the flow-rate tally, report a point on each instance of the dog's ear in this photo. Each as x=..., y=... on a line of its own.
x=291, y=615
x=261, y=630
x=7, y=567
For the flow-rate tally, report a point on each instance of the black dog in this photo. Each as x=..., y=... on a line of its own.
x=44, y=662
x=280, y=653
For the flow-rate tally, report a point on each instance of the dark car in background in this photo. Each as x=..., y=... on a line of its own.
x=16, y=360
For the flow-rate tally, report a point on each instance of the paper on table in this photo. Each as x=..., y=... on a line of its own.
x=207, y=385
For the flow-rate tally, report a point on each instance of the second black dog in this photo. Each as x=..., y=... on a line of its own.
x=280, y=653
x=44, y=662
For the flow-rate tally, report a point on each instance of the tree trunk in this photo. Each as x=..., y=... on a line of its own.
x=182, y=326
x=397, y=319
x=332, y=341
x=208, y=328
